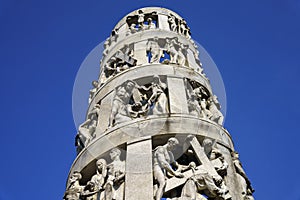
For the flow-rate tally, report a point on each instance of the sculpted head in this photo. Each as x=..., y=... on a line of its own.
x=114, y=153
x=156, y=79
x=172, y=143
x=76, y=176
x=207, y=144
x=235, y=155
x=129, y=86
x=95, y=84
x=101, y=163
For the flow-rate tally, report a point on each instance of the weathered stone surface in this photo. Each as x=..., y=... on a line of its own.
x=139, y=178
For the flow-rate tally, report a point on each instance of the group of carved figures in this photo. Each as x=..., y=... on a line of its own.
x=143, y=22
x=179, y=25
x=204, y=180
x=202, y=105
x=106, y=184
x=158, y=47
x=120, y=61
x=132, y=100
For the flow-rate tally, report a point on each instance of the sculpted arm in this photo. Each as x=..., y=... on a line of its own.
x=161, y=159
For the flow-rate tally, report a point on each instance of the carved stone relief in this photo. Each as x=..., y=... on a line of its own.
x=142, y=21
x=242, y=177
x=163, y=159
x=94, y=90
x=119, y=62
x=208, y=107
x=106, y=184
x=176, y=50
x=132, y=100
x=157, y=48
x=197, y=180
x=87, y=129
x=74, y=191
x=114, y=187
x=153, y=48
x=179, y=25
x=215, y=107
x=94, y=188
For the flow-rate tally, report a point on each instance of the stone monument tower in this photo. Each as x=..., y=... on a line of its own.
x=153, y=128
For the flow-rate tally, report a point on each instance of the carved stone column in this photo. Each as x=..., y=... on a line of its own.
x=154, y=128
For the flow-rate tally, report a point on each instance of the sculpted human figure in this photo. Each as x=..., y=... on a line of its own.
x=121, y=109
x=93, y=90
x=181, y=57
x=73, y=192
x=182, y=27
x=243, y=179
x=202, y=182
x=96, y=184
x=155, y=50
x=163, y=160
x=114, y=188
x=158, y=98
x=83, y=136
x=203, y=104
x=141, y=19
x=201, y=96
x=106, y=48
x=172, y=22
x=214, y=107
x=151, y=25
x=193, y=106
x=86, y=130
x=93, y=117
x=114, y=36
x=111, y=67
x=131, y=29
x=170, y=47
x=188, y=33
x=213, y=153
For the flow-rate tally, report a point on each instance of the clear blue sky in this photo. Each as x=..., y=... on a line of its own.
x=254, y=43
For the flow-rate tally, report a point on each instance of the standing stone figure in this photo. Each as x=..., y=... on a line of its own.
x=193, y=106
x=114, y=188
x=203, y=104
x=93, y=117
x=96, y=184
x=163, y=160
x=172, y=23
x=158, y=98
x=182, y=27
x=170, y=47
x=181, y=57
x=243, y=179
x=155, y=50
x=74, y=190
x=93, y=90
x=141, y=19
x=214, y=107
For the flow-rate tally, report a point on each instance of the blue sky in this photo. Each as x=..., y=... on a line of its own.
x=255, y=45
